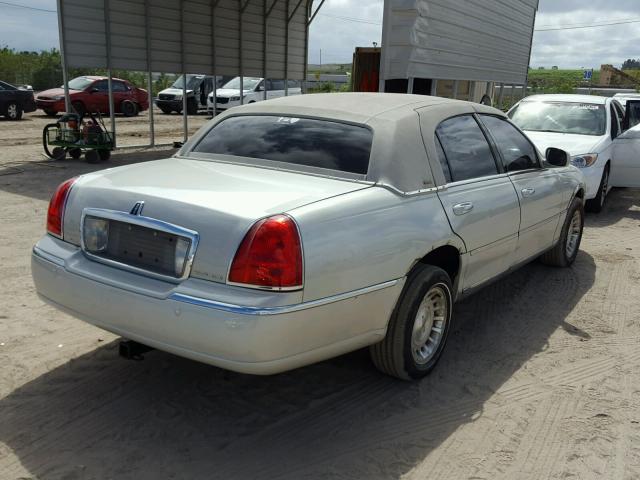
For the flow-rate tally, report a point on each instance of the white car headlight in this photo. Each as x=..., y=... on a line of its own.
x=584, y=161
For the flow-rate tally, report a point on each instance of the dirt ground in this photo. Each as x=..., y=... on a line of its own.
x=540, y=379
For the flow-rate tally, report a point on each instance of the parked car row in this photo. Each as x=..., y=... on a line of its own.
x=290, y=231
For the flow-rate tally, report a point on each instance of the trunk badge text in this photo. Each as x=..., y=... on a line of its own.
x=137, y=208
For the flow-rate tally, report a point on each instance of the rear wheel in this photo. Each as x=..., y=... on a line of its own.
x=50, y=113
x=166, y=111
x=597, y=204
x=14, y=111
x=128, y=108
x=566, y=250
x=419, y=326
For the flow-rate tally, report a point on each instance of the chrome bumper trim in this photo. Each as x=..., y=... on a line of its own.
x=262, y=311
x=242, y=309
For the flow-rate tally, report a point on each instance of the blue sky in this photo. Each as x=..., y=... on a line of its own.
x=24, y=29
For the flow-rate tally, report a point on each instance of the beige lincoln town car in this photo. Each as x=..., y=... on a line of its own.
x=293, y=230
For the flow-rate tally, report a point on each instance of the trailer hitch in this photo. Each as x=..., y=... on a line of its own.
x=133, y=350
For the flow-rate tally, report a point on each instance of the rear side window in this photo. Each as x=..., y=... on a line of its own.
x=299, y=141
x=466, y=148
x=517, y=152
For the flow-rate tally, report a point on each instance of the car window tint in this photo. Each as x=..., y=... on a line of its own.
x=277, y=85
x=517, y=152
x=102, y=85
x=467, y=150
x=442, y=158
x=301, y=141
x=119, y=86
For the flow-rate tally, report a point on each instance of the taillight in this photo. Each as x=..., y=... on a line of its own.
x=270, y=255
x=55, y=214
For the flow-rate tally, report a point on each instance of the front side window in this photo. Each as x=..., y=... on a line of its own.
x=517, y=152
x=560, y=117
x=102, y=86
x=299, y=141
x=466, y=148
x=119, y=86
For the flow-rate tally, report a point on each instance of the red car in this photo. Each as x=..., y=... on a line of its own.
x=91, y=94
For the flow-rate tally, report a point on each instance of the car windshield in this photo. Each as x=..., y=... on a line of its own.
x=80, y=83
x=249, y=83
x=193, y=81
x=300, y=141
x=560, y=117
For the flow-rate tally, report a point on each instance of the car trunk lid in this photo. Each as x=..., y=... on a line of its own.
x=218, y=200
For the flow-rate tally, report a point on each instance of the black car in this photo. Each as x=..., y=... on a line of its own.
x=14, y=101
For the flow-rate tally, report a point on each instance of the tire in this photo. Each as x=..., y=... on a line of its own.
x=104, y=155
x=397, y=355
x=91, y=156
x=565, y=253
x=58, y=153
x=50, y=113
x=596, y=204
x=14, y=111
x=166, y=111
x=74, y=153
x=128, y=108
x=79, y=108
x=192, y=107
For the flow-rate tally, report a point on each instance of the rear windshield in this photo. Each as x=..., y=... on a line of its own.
x=560, y=117
x=300, y=141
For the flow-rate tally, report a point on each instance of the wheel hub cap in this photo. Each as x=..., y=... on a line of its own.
x=429, y=325
x=573, y=235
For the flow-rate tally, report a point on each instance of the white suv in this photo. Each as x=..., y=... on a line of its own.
x=592, y=130
x=253, y=91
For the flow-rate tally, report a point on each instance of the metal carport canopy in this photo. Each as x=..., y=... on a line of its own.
x=262, y=38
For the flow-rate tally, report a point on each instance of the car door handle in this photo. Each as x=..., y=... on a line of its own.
x=462, y=208
x=527, y=192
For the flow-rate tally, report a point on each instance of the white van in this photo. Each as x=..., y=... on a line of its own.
x=198, y=87
x=253, y=91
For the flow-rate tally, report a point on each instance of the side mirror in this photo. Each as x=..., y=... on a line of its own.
x=94, y=90
x=557, y=157
x=260, y=88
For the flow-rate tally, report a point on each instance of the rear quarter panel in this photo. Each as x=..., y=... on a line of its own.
x=368, y=237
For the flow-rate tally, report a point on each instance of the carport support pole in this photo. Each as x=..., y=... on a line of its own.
x=214, y=5
x=152, y=132
x=501, y=96
x=63, y=61
x=147, y=32
x=410, y=85
x=456, y=86
x=286, y=52
x=267, y=14
x=112, y=110
x=185, y=120
x=434, y=87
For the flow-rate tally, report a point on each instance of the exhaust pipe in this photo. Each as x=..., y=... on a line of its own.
x=133, y=350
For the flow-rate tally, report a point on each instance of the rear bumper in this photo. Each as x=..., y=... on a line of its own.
x=258, y=338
